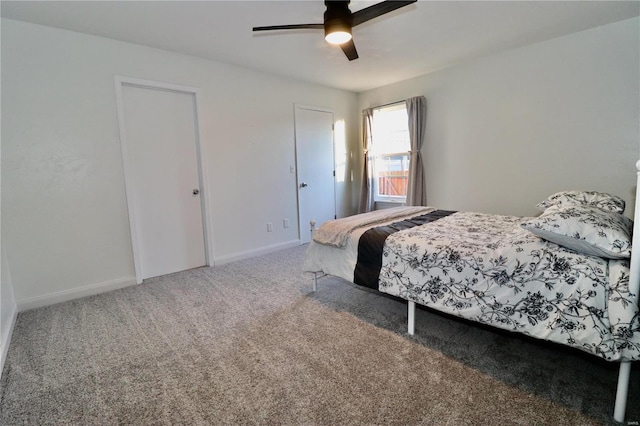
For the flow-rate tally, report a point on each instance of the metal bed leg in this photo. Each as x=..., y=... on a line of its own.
x=621, y=393
x=411, y=317
x=314, y=280
x=312, y=227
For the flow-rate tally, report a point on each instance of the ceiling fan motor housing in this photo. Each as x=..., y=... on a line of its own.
x=337, y=17
x=338, y=22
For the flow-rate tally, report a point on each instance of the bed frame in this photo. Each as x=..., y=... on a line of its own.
x=634, y=288
x=624, y=373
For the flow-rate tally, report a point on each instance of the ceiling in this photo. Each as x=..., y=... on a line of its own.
x=423, y=37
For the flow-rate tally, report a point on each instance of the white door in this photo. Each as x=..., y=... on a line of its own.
x=316, y=168
x=160, y=147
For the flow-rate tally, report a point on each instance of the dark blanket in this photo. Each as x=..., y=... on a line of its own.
x=372, y=241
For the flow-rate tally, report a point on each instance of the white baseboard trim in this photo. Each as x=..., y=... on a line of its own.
x=75, y=293
x=89, y=290
x=6, y=337
x=256, y=252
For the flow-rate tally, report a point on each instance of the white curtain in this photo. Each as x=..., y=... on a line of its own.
x=366, y=188
x=417, y=113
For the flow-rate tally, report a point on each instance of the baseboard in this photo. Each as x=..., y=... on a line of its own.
x=6, y=337
x=256, y=252
x=89, y=290
x=75, y=293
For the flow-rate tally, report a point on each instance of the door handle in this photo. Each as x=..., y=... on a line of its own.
x=196, y=191
x=303, y=185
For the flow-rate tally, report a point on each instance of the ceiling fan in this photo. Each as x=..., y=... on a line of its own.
x=339, y=20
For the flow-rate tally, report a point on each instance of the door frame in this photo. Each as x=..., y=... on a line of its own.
x=297, y=106
x=132, y=202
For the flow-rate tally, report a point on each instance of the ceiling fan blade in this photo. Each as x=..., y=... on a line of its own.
x=379, y=9
x=349, y=49
x=290, y=27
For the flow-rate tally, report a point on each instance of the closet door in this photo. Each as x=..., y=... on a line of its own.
x=316, y=168
x=160, y=140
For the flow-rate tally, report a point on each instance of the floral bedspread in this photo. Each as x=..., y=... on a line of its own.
x=486, y=268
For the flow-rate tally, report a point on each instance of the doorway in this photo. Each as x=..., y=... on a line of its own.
x=163, y=176
x=316, y=167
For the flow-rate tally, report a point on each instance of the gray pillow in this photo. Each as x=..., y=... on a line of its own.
x=586, y=229
x=601, y=200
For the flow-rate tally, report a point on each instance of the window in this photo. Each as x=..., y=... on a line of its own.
x=391, y=152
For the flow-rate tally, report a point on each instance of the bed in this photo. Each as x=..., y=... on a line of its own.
x=567, y=276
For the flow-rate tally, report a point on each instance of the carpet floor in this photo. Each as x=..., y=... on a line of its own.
x=249, y=343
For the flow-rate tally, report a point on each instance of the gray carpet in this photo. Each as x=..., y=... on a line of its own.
x=248, y=343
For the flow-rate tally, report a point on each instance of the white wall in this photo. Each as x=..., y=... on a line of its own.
x=505, y=131
x=65, y=221
x=8, y=308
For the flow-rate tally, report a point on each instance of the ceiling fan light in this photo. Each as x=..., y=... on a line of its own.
x=338, y=37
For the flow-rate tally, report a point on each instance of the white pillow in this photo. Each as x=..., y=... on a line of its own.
x=586, y=229
x=601, y=200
